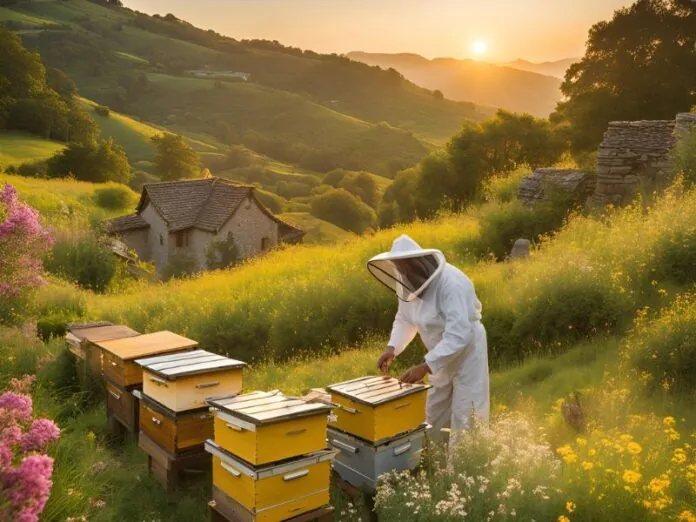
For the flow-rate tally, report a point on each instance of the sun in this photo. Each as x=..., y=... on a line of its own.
x=479, y=47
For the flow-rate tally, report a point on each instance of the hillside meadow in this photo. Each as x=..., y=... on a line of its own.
x=17, y=148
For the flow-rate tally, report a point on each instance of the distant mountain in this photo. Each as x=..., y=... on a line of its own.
x=556, y=68
x=478, y=82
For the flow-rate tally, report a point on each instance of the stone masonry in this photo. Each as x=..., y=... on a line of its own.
x=573, y=182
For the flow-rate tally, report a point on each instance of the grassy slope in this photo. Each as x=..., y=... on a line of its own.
x=18, y=147
x=318, y=231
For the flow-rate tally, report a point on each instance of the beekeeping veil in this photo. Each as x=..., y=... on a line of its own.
x=407, y=269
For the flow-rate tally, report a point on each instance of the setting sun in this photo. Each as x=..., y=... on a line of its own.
x=479, y=47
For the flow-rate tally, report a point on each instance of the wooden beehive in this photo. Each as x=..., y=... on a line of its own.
x=81, y=339
x=184, y=381
x=265, y=427
x=119, y=355
x=122, y=405
x=378, y=408
x=277, y=491
x=175, y=432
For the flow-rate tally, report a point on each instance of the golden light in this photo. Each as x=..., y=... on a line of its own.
x=479, y=47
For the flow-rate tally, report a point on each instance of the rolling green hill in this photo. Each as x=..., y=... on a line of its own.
x=299, y=107
x=18, y=147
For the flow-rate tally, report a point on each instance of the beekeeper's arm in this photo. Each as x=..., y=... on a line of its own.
x=459, y=329
x=403, y=332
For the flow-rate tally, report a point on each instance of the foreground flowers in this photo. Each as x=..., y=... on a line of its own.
x=25, y=473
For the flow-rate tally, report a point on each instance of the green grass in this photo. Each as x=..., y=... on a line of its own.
x=17, y=148
x=7, y=15
x=318, y=231
x=131, y=57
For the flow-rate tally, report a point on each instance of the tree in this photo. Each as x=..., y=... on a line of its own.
x=639, y=65
x=93, y=161
x=222, y=253
x=175, y=159
x=399, y=202
x=363, y=186
x=343, y=209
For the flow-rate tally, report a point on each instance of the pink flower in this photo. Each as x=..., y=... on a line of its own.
x=42, y=433
x=18, y=406
x=11, y=435
x=22, y=385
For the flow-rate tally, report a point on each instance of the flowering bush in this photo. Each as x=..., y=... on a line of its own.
x=504, y=472
x=22, y=243
x=25, y=473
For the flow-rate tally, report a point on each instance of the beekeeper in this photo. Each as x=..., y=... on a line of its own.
x=437, y=301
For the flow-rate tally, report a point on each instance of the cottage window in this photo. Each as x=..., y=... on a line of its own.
x=265, y=243
x=182, y=239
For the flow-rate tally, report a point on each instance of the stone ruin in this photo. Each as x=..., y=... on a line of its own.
x=540, y=185
x=633, y=154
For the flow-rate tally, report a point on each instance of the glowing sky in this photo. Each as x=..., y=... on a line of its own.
x=535, y=30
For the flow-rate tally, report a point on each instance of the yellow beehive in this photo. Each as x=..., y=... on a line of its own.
x=378, y=408
x=264, y=427
x=119, y=354
x=184, y=381
x=274, y=492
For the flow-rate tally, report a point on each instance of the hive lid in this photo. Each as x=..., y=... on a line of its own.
x=237, y=467
x=161, y=408
x=146, y=345
x=101, y=332
x=267, y=407
x=172, y=367
x=374, y=391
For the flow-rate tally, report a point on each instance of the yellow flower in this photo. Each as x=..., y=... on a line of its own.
x=581, y=441
x=672, y=434
x=669, y=422
x=569, y=456
x=634, y=448
x=592, y=452
x=570, y=506
x=563, y=518
x=625, y=438
x=679, y=456
x=686, y=516
x=631, y=477
x=658, y=485
x=587, y=466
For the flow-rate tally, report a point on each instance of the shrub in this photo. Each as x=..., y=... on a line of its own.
x=140, y=178
x=180, y=266
x=91, y=161
x=684, y=158
x=22, y=243
x=222, y=253
x=661, y=353
x=504, y=187
x=118, y=197
x=102, y=110
x=83, y=261
x=35, y=169
x=343, y=209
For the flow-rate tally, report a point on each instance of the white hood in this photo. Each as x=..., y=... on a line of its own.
x=411, y=281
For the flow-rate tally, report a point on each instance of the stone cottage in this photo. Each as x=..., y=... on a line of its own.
x=185, y=217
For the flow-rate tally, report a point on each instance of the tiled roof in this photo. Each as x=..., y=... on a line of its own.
x=202, y=203
x=124, y=223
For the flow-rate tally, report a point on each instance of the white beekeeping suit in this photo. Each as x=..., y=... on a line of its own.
x=437, y=301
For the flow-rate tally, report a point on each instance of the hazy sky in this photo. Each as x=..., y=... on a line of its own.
x=536, y=30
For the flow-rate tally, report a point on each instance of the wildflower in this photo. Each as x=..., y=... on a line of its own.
x=634, y=448
x=587, y=466
x=686, y=516
x=563, y=518
x=658, y=485
x=669, y=422
x=570, y=506
x=679, y=456
x=631, y=477
x=581, y=441
x=592, y=452
x=42, y=433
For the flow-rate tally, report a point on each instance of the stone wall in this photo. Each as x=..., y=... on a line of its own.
x=573, y=182
x=684, y=123
x=632, y=153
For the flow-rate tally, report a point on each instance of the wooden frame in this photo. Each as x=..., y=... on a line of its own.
x=168, y=469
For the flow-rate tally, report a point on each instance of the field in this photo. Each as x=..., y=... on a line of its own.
x=17, y=148
x=318, y=231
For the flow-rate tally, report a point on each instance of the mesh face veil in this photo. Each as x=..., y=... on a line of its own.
x=407, y=269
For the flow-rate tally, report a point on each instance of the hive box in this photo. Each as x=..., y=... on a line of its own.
x=377, y=409
x=81, y=339
x=264, y=427
x=361, y=464
x=123, y=406
x=184, y=381
x=277, y=491
x=175, y=432
x=223, y=508
x=119, y=354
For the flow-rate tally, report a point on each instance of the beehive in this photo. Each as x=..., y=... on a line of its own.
x=119, y=355
x=184, y=381
x=277, y=491
x=377, y=409
x=122, y=405
x=81, y=339
x=361, y=463
x=265, y=427
x=172, y=431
